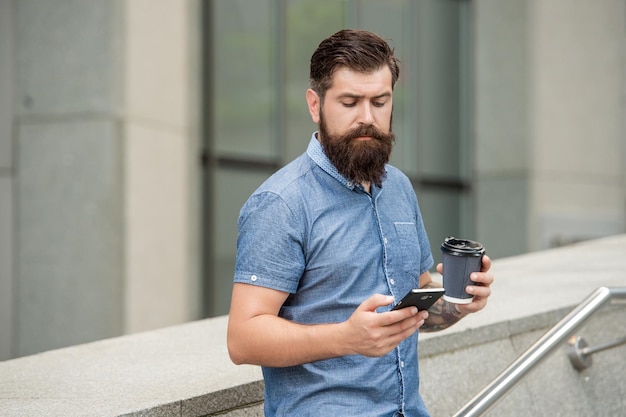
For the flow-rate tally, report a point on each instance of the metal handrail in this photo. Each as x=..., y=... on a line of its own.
x=538, y=351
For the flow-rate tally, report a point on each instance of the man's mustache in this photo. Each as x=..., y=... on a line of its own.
x=365, y=130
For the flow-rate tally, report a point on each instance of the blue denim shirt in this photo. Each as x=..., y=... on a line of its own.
x=311, y=233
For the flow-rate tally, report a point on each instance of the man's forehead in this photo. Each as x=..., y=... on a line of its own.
x=349, y=82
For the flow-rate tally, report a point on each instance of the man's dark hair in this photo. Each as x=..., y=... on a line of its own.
x=357, y=50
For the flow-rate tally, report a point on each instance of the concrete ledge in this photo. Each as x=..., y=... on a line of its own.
x=185, y=370
x=448, y=342
x=181, y=370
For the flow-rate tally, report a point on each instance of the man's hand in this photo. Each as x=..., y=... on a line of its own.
x=444, y=314
x=372, y=334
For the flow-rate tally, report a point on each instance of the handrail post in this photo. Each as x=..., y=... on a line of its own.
x=548, y=342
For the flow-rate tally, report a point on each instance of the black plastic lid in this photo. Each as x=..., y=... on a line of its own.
x=462, y=247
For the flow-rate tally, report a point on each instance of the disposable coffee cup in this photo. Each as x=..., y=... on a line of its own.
x=461, y=257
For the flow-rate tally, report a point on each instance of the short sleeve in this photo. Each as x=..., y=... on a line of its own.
x=269, y=244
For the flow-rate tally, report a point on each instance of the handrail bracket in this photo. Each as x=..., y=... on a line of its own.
x=579, y=352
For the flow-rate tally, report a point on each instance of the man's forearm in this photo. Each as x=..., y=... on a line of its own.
x=272, y=341
x=441, y=315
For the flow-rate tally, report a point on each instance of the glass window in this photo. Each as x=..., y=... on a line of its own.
x=307, y=23
x=438, y=88
x=260, y=53
x=244, y=95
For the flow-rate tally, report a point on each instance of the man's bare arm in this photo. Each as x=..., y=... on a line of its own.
x=256, y=335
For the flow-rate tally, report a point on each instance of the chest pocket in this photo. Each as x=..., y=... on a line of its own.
x=409, y=247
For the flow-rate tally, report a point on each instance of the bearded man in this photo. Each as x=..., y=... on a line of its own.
x=328, y=244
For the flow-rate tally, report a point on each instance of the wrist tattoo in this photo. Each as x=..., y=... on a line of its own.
x=441, y=315
x=449, y=313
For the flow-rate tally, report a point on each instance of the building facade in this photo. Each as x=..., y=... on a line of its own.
x=131, y=132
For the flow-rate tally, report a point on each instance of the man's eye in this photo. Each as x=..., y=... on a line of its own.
x=349, y=104
x=378, y=103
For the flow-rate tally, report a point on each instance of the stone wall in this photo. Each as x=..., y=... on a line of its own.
x=185, y=370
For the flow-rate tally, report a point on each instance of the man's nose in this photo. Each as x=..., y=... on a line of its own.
x=365, y=114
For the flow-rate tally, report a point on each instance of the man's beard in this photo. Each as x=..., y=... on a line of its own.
x=358, y=160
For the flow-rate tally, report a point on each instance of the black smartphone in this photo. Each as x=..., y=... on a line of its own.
x=423, y=299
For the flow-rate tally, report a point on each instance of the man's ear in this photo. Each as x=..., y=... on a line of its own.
x=313, y=101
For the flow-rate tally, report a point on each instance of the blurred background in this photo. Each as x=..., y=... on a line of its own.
x=131, y=132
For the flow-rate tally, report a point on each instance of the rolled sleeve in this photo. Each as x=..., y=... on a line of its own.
x=269, y=246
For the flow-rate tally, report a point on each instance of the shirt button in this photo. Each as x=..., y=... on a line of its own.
x=402, y=364
x=253, y=278
x=392, y=281
x=349, y=184
x=385, y=240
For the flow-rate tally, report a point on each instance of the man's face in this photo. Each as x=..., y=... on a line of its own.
x=355, y=123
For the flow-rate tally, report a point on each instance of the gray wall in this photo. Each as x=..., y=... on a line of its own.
x=549, y=110
x=70, y=230
x=502, y=125
x=98, y=198
x=7, y=180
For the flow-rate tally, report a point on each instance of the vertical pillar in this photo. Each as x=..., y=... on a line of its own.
x=70, y=173
x=502, y=125
x=106, y=169
x=7, y=180
x=550, y=161
x=162, y=162
x=577, y=140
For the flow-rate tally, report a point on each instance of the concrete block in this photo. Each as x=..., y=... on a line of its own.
x=595, y=382
x=185, y=370
x=181, y=370
x=576, y=101
x=69, y=57
x=501, y=207
x=157, y=204
x=70, y=234
x=165, y=410
x=449, y=380
x=217, y=402
x=157, y=59
x=7, y=84
x=551, y=383
x=563, y=227
x=254, y=411
x=502, y=88
x=7, y=278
